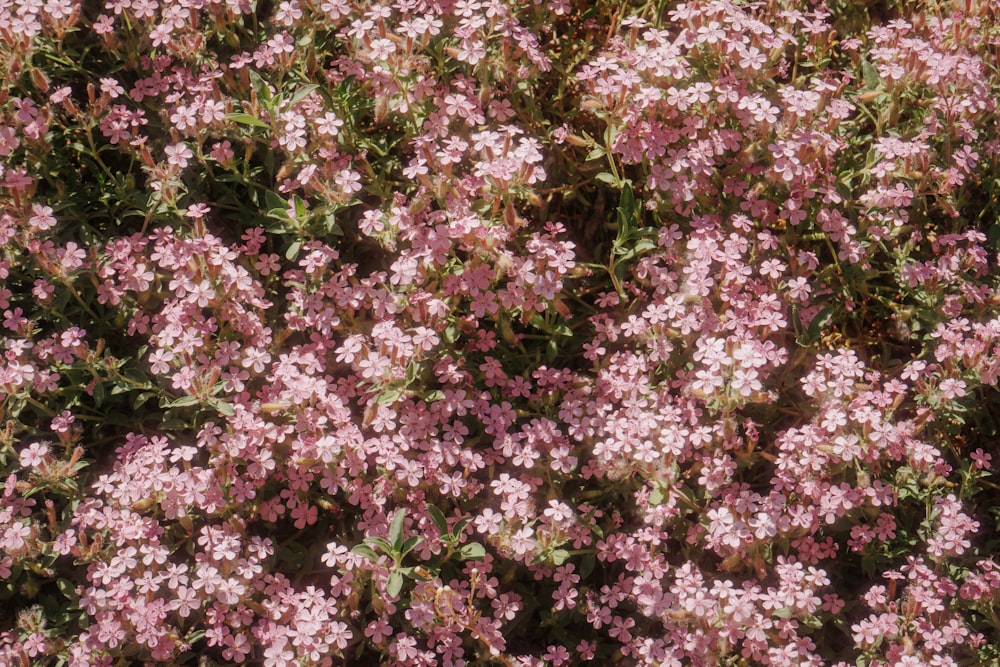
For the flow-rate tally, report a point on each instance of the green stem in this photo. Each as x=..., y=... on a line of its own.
x=44, y=408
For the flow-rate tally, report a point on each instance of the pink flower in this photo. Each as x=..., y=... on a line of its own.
x=34, y=455
x=61, y=423
x=43, y=290
x=222, y=152
x=340, y=634
x=178, y=154
x=159, y=361
x=378, y=630
x=746, y=382
x=557, y=655
x=72, y=256
x=981, y=460
x=349, y=181
x=42, y=217
x=64, y=542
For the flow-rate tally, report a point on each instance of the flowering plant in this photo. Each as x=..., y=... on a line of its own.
x=472, y=332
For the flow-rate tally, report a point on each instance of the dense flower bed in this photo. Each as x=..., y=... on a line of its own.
x=499, y=333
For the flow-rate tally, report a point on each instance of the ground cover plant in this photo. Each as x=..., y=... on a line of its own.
x=462, y=332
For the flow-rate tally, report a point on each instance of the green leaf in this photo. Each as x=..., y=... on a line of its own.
x=275, y=201
x=262, y=89
x=365, y=550
x=472, y=551
x=293, y=555
x=644, y=245
x=182, y=402
x=816, y=326
x=99, y=394
x=278, y=229
x=300, y=207
x=300, y=95
x=628, y=222
x=412, y=370
x=67, y=588
x=784, y=612
x=396, y=529
x=223, y=408
x=410, y=544
x=395, y=584
x=606, y=177
x=587, y=565
x=381, y=543
x=559, y=556
x=247, y=119
x=332, y=227
x=437, y=516
x=813, y=622
x=623, y=251
x=389, y=396
x=293, y=251
x=556, y=329
x=433, y=396
x=872, y=80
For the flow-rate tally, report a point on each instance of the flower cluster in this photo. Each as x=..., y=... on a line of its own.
x=486, y=332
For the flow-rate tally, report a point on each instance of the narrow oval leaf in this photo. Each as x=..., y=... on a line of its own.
x=396, y=529
x=395, y=584
x=246, y=119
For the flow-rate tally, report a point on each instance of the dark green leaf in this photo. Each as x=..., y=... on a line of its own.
x=99, y=393
x=332, y=227
x=67, y=588
x=410, y=544
x=139, y=399
x=628, y=222
x=437, y=516
x=817, y=325
x=587, y=565
x=460, y=527
x=275, y=201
